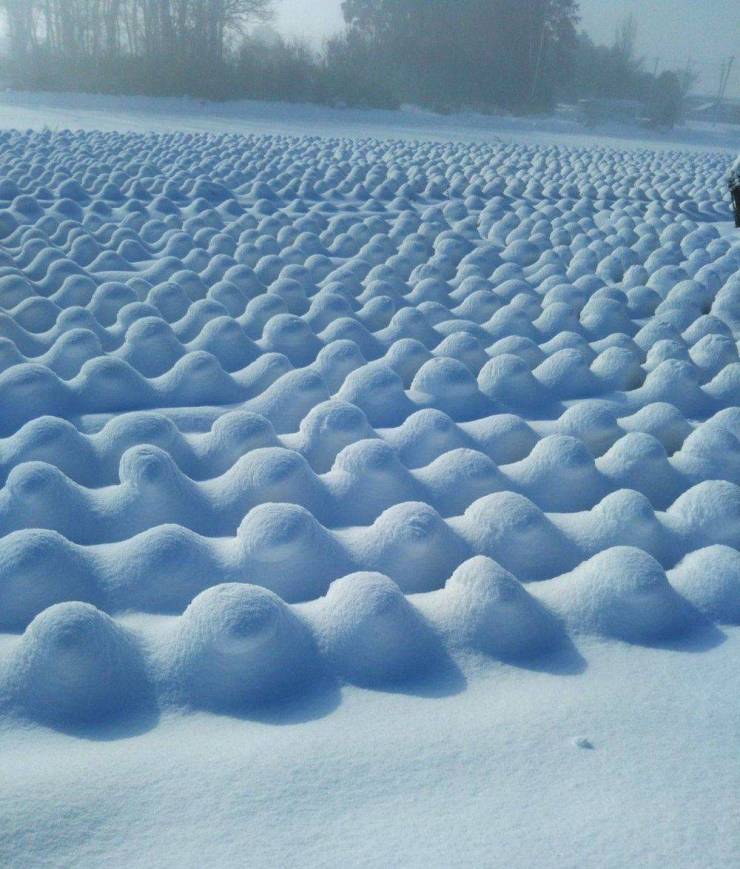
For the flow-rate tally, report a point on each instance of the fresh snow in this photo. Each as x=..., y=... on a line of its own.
x=366, y=500
x=58, y=111
x=488, y=776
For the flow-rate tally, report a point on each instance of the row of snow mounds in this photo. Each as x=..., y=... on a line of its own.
x=656, y=450
x=114, y=168
x=413, y=250
x=472, y=270
x=366, y=478
x=463, y=286
x=342, y=410
x=609, y=352
x=473, y=371
x=269, y=386
x=284, y=548
x=241, y=649
x=502, y=298
x=374, y=312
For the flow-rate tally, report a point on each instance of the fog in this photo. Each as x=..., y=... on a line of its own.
x=673, y=31
x=515, y=56
x=309, y=19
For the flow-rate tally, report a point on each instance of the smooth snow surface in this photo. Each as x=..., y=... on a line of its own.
x=60, y=111
x=632, y=762
x=309, y=444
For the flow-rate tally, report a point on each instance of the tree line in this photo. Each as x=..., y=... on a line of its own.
x=515, y=55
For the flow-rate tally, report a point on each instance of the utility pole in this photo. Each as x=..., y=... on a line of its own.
x=654, y=82
x=724, y=78
x=728, y=70
x=686, y=80
x=719, y=91
x=538, y=60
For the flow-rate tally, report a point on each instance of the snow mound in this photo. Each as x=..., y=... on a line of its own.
x=353, y=408
x=239, y=647
x=75, y=666
x=710, y=579
x=372, y=635
x=40, y=568
x=622, y=593
x=483, y=607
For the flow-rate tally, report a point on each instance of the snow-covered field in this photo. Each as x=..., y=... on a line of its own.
x=61, y=111
x=366, y=501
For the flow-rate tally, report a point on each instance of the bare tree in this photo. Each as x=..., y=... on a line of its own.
x=625, y=39
x=21, y=18
x=179, y=28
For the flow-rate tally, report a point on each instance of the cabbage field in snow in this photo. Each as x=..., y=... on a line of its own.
x=283, y=417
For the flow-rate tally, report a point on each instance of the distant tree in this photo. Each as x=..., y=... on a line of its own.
x=470, y=52
x=20, y=18
x=517, y=55
x=351, y=73
x=381, y=18
x=625, y=40
x=666, y=105
x=610, y=71
x=177, y=44
x=269, y=67
x=688, y=77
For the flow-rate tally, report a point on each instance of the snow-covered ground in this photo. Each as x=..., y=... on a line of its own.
x=490, y=776
x=365, y=501
x=22, y=110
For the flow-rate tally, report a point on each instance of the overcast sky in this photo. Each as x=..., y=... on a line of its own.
x=705, y=31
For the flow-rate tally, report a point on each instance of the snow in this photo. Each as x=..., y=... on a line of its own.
x=351, y=485
x=484, y=775
x=56, y=111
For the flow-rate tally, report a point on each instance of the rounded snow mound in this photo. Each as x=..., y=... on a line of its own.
x=709, y=513
x=371, y=635
x=710, y=579
x=287, y=549
x=621, y=593
x=75, y=666
x=39, y=568
x=239, y=647
x=413, y=544
x=485, y=608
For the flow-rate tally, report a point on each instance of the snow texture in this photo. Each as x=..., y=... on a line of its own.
x=351, y=408
x=284, y=418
